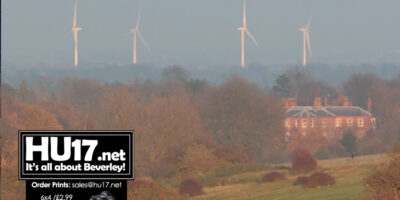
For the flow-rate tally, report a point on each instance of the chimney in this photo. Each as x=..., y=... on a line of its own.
x=291, y=102
x=326, y=101
x=346, y=102
x=317, y=103
x=369, y=105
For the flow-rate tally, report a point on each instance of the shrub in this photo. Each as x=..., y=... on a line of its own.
x=319, y=179
x=385, y=180
x=301, y=180
x=272, y=177
x=303, y=161
x=197, y=160
x=190, y=187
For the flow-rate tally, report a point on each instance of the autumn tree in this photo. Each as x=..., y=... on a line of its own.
x=68, y=117
x=311, y=140
x=19, y=116
x=165, y=124
x=384, y=97
x=385, y=181
x=242, y=116
x=80, y=93
x=33, y=117
x=306, y=87
x=165, y=127
x=371, y=143
x=358, y=88
x=197, y=160
x=119, y=109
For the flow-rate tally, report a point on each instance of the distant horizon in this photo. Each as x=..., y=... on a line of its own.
x=262, y=75
x=94, y=65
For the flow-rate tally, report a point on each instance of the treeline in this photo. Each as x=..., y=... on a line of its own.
x=183, y=126
x=186, y=127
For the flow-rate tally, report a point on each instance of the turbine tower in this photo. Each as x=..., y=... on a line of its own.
x=244, y=29
x=306, y=41
x=135, y=32
x=75, y=31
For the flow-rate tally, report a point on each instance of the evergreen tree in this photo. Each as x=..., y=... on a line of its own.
x=349, y=141
x=282, y=86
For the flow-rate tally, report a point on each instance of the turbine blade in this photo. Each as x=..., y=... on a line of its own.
x=75, y=37
x=76, y=49
x=75, y=8
x=244, y=14
x=251, y=37
x=309, y=22
x=308, y=43
x=138, y=18
x=144, y=41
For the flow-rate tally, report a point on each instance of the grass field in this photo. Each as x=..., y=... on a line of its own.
x=348, y=173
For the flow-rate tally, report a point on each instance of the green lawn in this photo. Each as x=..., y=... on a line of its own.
x=348, y=174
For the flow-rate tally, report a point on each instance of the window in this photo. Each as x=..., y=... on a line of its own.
x=304, y=123
x=312, y=123
x=287, y=123
x=304, y=133
x=373, y=122
x=323, y=122
x=296, y=123
x=325, y=134
x=361, y=122
x=350, y=122
x=338, y=122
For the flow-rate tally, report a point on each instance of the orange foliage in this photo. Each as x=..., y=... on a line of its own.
x=16, y=117
x=67, y=115
x=303, y=161
x=190, y=187
x=241, y=115
x=312, y=141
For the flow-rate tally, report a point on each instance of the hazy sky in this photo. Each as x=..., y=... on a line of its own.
x=200, y=32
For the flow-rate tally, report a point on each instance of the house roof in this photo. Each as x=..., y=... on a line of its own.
x=326, y=111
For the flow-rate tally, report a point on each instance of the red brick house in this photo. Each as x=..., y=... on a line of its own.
x=330, y=121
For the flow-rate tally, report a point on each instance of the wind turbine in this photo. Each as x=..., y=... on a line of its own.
x=244, y=29
x=306, y=41
x=135, y=32
x=75, y=31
